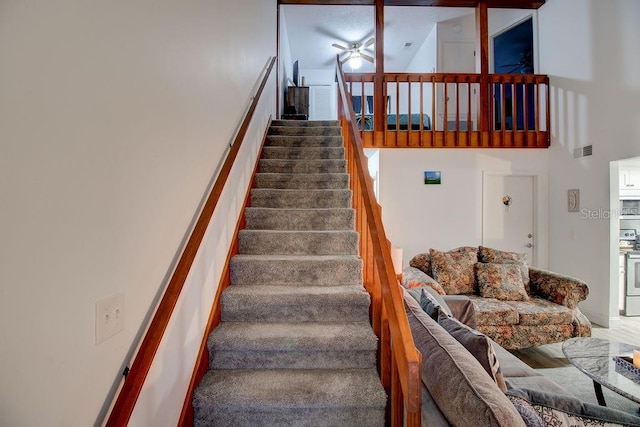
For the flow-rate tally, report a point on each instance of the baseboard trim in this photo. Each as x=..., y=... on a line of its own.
x=611, y=322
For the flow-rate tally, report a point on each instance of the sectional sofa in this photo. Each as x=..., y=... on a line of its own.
x=469, y=380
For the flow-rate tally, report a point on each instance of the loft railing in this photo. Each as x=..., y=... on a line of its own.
x=446, y=110
x=399, y=360
x=128, y=396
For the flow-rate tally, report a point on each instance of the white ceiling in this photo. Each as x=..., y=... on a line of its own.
x=313, y=29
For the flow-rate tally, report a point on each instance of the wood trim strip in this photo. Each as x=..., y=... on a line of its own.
x=513, y=4
x=128, y=396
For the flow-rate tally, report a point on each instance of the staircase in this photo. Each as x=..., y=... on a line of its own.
x=295, y=347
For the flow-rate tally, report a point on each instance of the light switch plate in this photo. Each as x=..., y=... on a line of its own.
x=109, y=317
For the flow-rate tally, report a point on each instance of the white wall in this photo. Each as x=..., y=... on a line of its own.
x=418, y=217
x=114, y=117
x=595, y=99
x=425, y=60
x=285, y=63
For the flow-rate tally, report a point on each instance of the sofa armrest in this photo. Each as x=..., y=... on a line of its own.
x=564, y=290
x=415, y=278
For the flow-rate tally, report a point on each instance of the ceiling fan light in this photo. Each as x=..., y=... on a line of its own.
x=355, y=62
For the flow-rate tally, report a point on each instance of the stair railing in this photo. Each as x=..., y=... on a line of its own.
x=399, y=360
x=135, y=379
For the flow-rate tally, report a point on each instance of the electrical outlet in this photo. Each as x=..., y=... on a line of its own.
x=109, y=317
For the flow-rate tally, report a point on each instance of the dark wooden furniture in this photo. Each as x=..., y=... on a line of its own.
x=297, y=103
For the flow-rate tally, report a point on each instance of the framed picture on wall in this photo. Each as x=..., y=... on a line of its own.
x=432, y=177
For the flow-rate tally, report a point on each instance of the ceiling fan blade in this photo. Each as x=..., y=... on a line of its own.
x=348, y=57
x=339, y=47
x=367, y=57
x=369, y=43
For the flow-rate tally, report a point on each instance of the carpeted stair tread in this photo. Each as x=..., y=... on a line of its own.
x=305, y=130
x=288, y=242
x=303, y=153
x=251, y=303
x=305, y=199
x=302, y=181
x=296, y=270
x=293, y=336
x=303, y=141
x=300, y=397
x=240, y=345
x=302, y=166
x=306, y=123
x=300, y=219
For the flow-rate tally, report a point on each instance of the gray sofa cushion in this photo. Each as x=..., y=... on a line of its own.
x=454, y=378
x=512, y=366
x=536, y=382
x=476, y=343
x=462, y=309
x=417, y=293
x=555, y=409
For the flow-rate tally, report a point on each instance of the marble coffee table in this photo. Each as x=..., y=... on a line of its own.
x=594, y=357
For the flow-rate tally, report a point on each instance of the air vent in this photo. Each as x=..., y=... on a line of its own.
x=584, y=151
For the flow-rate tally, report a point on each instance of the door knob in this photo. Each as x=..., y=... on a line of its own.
x=529, y=245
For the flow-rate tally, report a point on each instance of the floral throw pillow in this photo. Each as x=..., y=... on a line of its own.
x=502, y=257
x=500, y=281
x=454, y=270
x=422, y=262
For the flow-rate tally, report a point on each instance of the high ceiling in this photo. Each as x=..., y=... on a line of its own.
x=312, y=29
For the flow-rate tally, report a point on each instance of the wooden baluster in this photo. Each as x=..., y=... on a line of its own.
x=433, y=109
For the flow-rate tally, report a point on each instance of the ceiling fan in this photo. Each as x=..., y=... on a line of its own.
x=524, y=64
x=355, y=53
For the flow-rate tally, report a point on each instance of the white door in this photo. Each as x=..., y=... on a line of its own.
x=508, y=213
x=320, y=103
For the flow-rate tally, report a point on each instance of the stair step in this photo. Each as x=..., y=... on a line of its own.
x=253, y=303
x=296, y=270
x=303, y=397
x=302, y=166
x=305, y=199
x=305, y=130
x=303, y=153
x=240, y=345
x=302, y=181
x=306, y=123
x=299, y=219
x=286, y=242
x=303, y=141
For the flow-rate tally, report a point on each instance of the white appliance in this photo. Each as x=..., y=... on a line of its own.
x=632, y=284
x=630, y=207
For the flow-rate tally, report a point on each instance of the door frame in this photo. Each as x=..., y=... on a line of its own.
x=540, y=212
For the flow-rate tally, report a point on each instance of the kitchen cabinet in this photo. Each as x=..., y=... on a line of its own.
x=630, y=179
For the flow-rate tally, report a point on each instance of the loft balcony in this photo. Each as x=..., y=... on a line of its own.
x=449, y=110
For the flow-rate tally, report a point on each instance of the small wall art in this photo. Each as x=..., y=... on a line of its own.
x=432, y=177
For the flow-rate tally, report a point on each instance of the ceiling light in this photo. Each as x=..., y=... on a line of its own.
x=355, y=62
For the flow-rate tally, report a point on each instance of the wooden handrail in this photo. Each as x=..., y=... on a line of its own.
x=400, y=361
x=125, y=403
